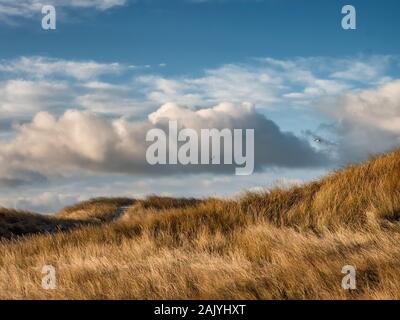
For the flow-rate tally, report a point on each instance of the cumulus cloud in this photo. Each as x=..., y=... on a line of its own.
x=76, y=140
x=366, y=121
x=60, y=142
x=272, y=146
x=84, y=142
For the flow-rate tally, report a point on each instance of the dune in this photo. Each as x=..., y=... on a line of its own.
x=281, y=244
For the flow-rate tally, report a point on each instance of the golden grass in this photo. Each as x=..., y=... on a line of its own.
x=98, y=209
x=283, y=244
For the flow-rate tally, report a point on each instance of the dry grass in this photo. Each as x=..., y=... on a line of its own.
x=96, y=210
x=284, y=244
x=15, y=224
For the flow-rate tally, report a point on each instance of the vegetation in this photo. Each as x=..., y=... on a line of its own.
x=281, y=244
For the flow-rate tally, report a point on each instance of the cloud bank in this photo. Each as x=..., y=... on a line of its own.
x=366, y=121
x=358, y=97
x=80, y=141
x=65, y=119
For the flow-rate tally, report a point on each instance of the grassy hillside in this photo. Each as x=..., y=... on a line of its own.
x=282, y=244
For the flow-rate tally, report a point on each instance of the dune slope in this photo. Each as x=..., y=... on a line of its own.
x=281, y=244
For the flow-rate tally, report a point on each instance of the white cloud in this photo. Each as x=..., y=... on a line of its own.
x=271, y=83
x=33, y=84
x=360, y=100
x=84, y=142
x=367, y=121
x=41, y=67
x=228, y=83
x=372, y=69
x=59, y=141
x=267, y=83
x=25, y=97
x=28, y=8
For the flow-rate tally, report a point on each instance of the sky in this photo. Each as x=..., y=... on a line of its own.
x=76, y=102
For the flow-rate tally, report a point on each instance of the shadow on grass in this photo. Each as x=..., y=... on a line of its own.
x=14, y=224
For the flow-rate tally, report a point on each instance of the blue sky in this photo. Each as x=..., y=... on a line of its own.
x=113, y=65
x=191, y=36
